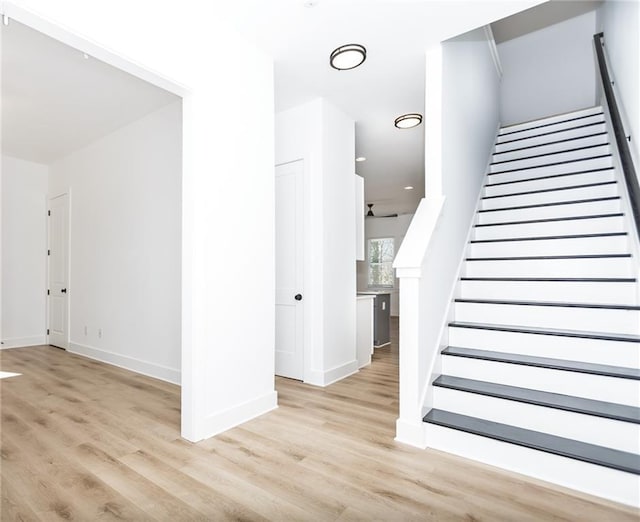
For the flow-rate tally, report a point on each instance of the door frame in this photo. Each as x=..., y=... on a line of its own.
x=50, y=197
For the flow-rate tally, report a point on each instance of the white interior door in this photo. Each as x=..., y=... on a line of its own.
x=289, y=271
x=59, y=271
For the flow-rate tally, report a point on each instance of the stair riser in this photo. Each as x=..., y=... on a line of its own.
x=552, y=228
x=589, y=478
x=574, y=292
x=547, y=247
x=613, y=353
x=540, y=198
x=545, y=160
x=555, y=211
x=548, y=183
x=531, y=130
x=563, y=168
x=618, y=435
x=556, y=118
x=595, y=267
x=507, y=145
x=585, y=319
x=560, y=146
x=596, y=387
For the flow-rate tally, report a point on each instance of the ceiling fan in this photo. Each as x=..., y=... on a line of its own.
x=371, y=214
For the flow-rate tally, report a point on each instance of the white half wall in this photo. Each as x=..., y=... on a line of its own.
x=24, y=252
x=376, y=228
x=463, y=87
x=324, y=138
x=620, y=22
x=548, y=71
x=125, y=219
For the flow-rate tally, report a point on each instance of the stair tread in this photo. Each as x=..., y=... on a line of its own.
x=544, y=238
x=501, y=133
x=551, y=220
x=567, y=129
x=558, y=304
x=575, y=149
x=591, y=453
x=559, y=401
x=545, y=362
x=555, y=279
x=552, y=189
x=604, y=336
x=540, y=258
x=575, y=138
x=551, y=204
x=555, y=163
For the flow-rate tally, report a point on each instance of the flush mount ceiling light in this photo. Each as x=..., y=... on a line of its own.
x=407, y=121
x=348, y=57
x=361, y=158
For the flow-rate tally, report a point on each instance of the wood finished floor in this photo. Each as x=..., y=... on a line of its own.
x=83, y=440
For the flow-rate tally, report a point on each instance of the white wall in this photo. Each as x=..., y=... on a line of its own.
x=227, y=367
x=125, y=244
x=463, y=89
x=384, y=227
x=324, y=139
x=620, y=22
x=548, y=71
x=24, y=252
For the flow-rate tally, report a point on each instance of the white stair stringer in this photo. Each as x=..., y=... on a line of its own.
x=542, y=372
x=612, y=484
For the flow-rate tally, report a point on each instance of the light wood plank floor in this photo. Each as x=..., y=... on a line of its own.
x=83, y=440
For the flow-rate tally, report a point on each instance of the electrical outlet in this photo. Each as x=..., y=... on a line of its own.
x=99, y=333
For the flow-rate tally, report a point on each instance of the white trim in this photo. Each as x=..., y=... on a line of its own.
x=320, y=378
x=66, y=36
x=156, y=371
x=493, y=48
x=413, y=434
x=232, y=417
x=21, y=342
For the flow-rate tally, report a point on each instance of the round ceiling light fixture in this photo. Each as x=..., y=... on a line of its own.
x=347, y=57
x=408, y=121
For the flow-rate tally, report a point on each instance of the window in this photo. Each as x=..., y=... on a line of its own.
x=380, y=259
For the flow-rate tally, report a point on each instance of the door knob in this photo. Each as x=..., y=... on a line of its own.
x=63, y=291
x=298, y=297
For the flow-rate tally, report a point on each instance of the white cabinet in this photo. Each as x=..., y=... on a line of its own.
x=364, y=329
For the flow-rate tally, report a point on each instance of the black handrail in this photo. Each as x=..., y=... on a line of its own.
x=618, y=129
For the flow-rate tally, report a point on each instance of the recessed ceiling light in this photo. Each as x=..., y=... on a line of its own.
x=361, y=158
x=407, y=121
x=347, y=57
x=408, y=187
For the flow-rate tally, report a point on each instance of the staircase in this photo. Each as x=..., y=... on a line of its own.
x=542, y=372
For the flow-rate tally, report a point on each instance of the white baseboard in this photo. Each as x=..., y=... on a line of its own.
x=236, y=415
x=320, y=378
x=411, y=433
x=150, y=369
x=20, y=342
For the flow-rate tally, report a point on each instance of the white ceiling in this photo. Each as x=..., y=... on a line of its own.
x=55, y=101
x=388, y=84
x=539, y=17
